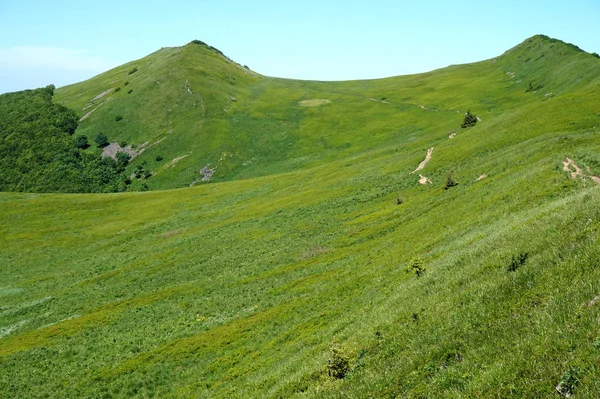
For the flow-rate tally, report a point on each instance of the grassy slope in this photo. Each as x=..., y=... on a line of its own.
x=267, y=131
x=236, y=289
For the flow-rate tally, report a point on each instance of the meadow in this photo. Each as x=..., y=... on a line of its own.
x=296, y=255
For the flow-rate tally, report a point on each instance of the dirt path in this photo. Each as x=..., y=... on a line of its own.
x=483, y=176
x=424, y=180
x=571, y=167
x=84, y=117
x=424, y=162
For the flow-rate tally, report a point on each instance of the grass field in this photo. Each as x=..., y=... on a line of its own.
x=242, y=287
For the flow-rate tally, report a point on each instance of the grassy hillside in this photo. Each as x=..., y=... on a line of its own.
x=190, y=107
x=252, y=287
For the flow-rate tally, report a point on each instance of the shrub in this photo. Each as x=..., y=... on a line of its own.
x=158, y=158
x=596, y=55
x=531, y=87
x=134, y=70
x=416, y=266
x=517, y=261
x=469, y=120
x=101, y=140
x=450, y=182
x=118, y=118
x=130, y=90
x=338, y=364
x=122, y=158
x=125, y=84
x=117, y=89
x=81, y=141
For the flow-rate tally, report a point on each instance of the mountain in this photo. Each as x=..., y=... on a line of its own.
x=193, y=108
x=371, y=248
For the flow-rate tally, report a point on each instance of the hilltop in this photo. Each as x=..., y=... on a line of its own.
x=190, y=109
x=356, y=243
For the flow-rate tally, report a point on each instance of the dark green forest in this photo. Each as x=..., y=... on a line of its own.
x=39, y=153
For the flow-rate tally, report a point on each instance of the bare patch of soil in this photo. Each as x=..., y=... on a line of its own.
x=112, y=149
x=314, y=103
x=483, y=176
x=424, y=180
x=575, y=171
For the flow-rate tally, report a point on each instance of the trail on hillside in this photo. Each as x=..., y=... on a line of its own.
x=424, y=162
x=571, y=167
x=84, y=117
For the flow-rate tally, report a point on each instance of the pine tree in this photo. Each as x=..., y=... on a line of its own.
x=470, y=120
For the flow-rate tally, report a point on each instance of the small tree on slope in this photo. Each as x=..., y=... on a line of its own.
x=470, y=120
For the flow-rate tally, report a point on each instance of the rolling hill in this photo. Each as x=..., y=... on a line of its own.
x=327, y=258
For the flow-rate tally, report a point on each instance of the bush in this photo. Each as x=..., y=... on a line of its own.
x=158, y=158
x=81, y=141
x=117, y=89
x=338, y=364
x=134, y=70
x=517, y=261
x=469, y=120
x=101, y=140
x=531, y=87
x=596, y=55
x=416, y=266
x=118, y=118
x=450, y=182
x=122, y=158
x=130, y=91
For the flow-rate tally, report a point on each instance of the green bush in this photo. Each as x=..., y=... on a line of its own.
x=101, y=140
x=517, y=261
x=81, y=141
x=416, y=266
x=469, y=120
x=118, y=118
x=450, y=182
x=134, y=70
x=339, y=362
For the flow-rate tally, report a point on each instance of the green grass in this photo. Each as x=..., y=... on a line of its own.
x=237, y=289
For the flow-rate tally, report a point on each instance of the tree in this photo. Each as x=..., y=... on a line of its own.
x=81, y=141
x=469, y=120
x=101, y=140
x=122, y=159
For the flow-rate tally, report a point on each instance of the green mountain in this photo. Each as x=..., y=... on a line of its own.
x=355, y=242
x=191, y=107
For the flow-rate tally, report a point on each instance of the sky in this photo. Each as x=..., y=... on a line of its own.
x=63, y=42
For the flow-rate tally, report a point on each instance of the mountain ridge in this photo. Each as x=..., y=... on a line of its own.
x=249, y=124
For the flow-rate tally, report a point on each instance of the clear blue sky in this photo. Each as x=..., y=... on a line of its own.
x=62, y=42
